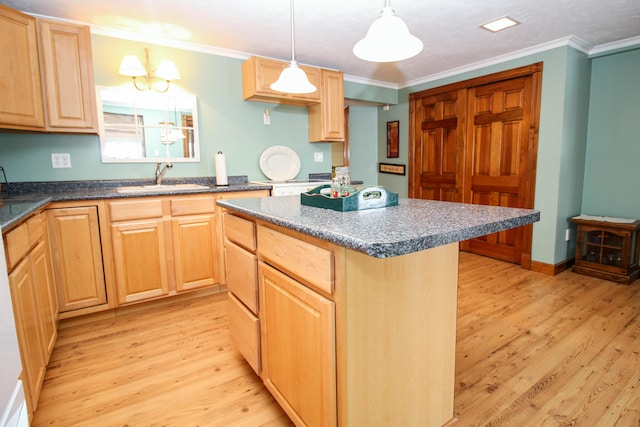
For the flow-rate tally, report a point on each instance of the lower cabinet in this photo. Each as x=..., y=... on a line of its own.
x=34, y=300
x=139, y=258
x=298, y=348
x=163, y=245
x=74, y=234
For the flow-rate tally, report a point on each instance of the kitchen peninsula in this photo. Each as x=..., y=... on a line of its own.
x=357, y=310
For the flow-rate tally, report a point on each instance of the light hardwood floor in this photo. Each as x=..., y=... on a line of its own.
x=533, y=350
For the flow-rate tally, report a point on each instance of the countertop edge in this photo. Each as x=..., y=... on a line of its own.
x=390, y=249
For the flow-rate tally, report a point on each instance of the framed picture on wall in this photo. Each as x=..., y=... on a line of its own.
x=393, y=146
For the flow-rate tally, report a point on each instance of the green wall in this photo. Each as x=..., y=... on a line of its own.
x=612, y=168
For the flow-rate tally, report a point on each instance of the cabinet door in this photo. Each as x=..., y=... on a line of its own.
x=77, y=255
x=21, y=100
x=194, y=247
x=326, y=119
x=298, y=348
x=139, y=255
x=67, y=70
x=45, y=295
x=28, y=328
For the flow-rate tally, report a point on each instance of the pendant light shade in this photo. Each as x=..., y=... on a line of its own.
x=293, y=79
x=388, y=39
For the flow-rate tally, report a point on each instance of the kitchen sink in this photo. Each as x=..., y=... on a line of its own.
x=161, y=187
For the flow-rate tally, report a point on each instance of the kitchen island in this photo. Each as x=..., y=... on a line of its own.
x=357, y=310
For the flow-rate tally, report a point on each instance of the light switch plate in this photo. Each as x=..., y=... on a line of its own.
x=318, y=157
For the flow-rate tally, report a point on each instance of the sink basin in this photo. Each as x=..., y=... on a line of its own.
x=162, y=187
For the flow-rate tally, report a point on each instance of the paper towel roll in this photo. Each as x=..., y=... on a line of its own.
x=221, y=169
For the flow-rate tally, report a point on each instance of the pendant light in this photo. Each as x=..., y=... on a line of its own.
x=293, y=79
x=388, y=39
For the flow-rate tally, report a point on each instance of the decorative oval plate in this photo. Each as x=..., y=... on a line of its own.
x=279, y=163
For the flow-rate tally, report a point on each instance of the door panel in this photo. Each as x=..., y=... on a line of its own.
x=475, y=141
x=438, y=154
x=498, y=158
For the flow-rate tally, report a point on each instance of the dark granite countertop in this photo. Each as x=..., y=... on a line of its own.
x=18, y=200
x=412, y=226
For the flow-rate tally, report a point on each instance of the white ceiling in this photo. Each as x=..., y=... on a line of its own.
x=326, y=30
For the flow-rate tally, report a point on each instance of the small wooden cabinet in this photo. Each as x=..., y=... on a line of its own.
x=34, y=301
x=46, y=75
x=607, y=249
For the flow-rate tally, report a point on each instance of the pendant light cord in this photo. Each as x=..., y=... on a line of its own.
x=293, y=35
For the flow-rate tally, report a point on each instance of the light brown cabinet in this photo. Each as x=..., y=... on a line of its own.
x=326, y=119
x=67, y=75
x=298, y=330
x=242, y=280
x=21, y=101
x=259, y=73
x=325, y=106
x=163, y=246
x=74, y=233
x=46, y=76
x=34, y=302
x=138, y=237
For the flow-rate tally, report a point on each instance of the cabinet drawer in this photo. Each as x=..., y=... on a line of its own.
x=309, y=263
x=193, y=205
x=17, y=245
x=242, y=272
x=240, y=231
x=35, y=227
x=244, y=328
x=135, y=209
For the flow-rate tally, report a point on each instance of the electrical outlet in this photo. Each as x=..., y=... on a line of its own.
x=318, y=157
x=266, y=117
x=567, y=234
x=60, y=160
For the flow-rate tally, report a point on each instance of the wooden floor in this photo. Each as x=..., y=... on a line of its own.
x=533, y=350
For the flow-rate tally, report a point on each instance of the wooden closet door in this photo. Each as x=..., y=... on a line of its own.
x=437, y=152
x=497, y=158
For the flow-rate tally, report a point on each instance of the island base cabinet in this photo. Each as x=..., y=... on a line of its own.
x=298, y=348
x=396, y=335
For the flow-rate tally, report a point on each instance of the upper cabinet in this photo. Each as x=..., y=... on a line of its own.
x=46, y=76
x=21, y=101
x=258, y=74
x=67, y=76
x=326, y=105
x=326, y=119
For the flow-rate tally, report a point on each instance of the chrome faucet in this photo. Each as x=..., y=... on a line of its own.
x=160, y=171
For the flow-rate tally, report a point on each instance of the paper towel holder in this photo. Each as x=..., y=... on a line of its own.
x=221, y=169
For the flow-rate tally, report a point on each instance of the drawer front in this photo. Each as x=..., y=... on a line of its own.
x=242, y=275
x=193, y=205
x=16, y=245
x=309, y=263
x=244, y=328
x=240, y=231
x=35, y=226
x=135, y=209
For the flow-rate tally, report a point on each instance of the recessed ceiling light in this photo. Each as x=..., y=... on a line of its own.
x=499, y=24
